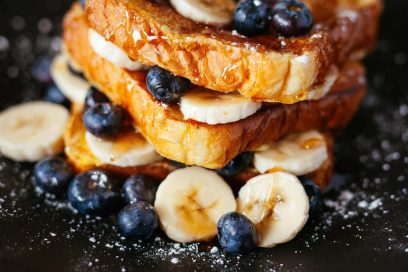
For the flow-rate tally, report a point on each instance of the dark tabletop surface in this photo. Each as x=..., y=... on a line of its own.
x=365, y=220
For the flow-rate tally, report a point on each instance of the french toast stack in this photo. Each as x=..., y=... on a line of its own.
x=216, y=92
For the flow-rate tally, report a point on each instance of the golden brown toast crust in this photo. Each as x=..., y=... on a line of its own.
x=262, y=68
x=82, y=159
x=210, y=146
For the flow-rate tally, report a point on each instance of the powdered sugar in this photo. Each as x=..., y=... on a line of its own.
x=368, y=206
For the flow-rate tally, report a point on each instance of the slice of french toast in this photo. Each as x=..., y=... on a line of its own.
x=263, y=68
x=194, y=143
x=81, y=157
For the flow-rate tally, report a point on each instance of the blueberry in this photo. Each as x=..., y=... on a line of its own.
x=94, y=96
x=53, y=175
x=140, y=188
x=53, y=94
x=291, y=18
x=137, y=220
x=236, y=233
x=164, y=86
x=251, y=17
x=95, y=192
x=315, y=197
x=104, y=120
x=41, y=69
x=237, y=165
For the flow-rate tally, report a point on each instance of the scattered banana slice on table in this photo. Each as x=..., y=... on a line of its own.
x=298, y=153
x=189, y=203
x=32, y=131
x=111, y=52
x=129, y=149
x=213, y=12
x=72, y=86
x=216, y=108
x=278, y=206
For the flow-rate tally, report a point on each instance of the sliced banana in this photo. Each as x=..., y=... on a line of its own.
x=212, y=12
x=72, y=86
x=323, y=89
x=298, y=153
x=216, y=108
x=111, y=52
x=32, y=131
x=189, y=203
x=130, y=149
x=278, y=206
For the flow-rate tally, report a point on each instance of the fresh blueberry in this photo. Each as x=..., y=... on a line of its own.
x=53, y=94
x=315, y=197
x=140, y=188
x=237, y=165
x=94, y=97
x=236, y=233
x=251, y=17
x=291, y=18
x=164, y=86
x=104, y=120
x=137, y=220
x=41, y=69
x=95, y=192
x=53, y=175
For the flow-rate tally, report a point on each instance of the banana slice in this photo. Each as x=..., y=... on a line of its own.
x=216, y=108
x=278, y=206
x=212, y=12
x=323, y=89
x=299, y=154
x=72, y=86
x=130, y=149
x=190, y=201
x=32, y=131
x=112, y=53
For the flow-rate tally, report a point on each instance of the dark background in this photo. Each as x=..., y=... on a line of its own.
x=365, y=222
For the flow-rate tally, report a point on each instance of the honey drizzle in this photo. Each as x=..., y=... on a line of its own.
x=195, y=217
x=126, y=141
x=311, y=143
x=268, y=207
x=275, y=169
